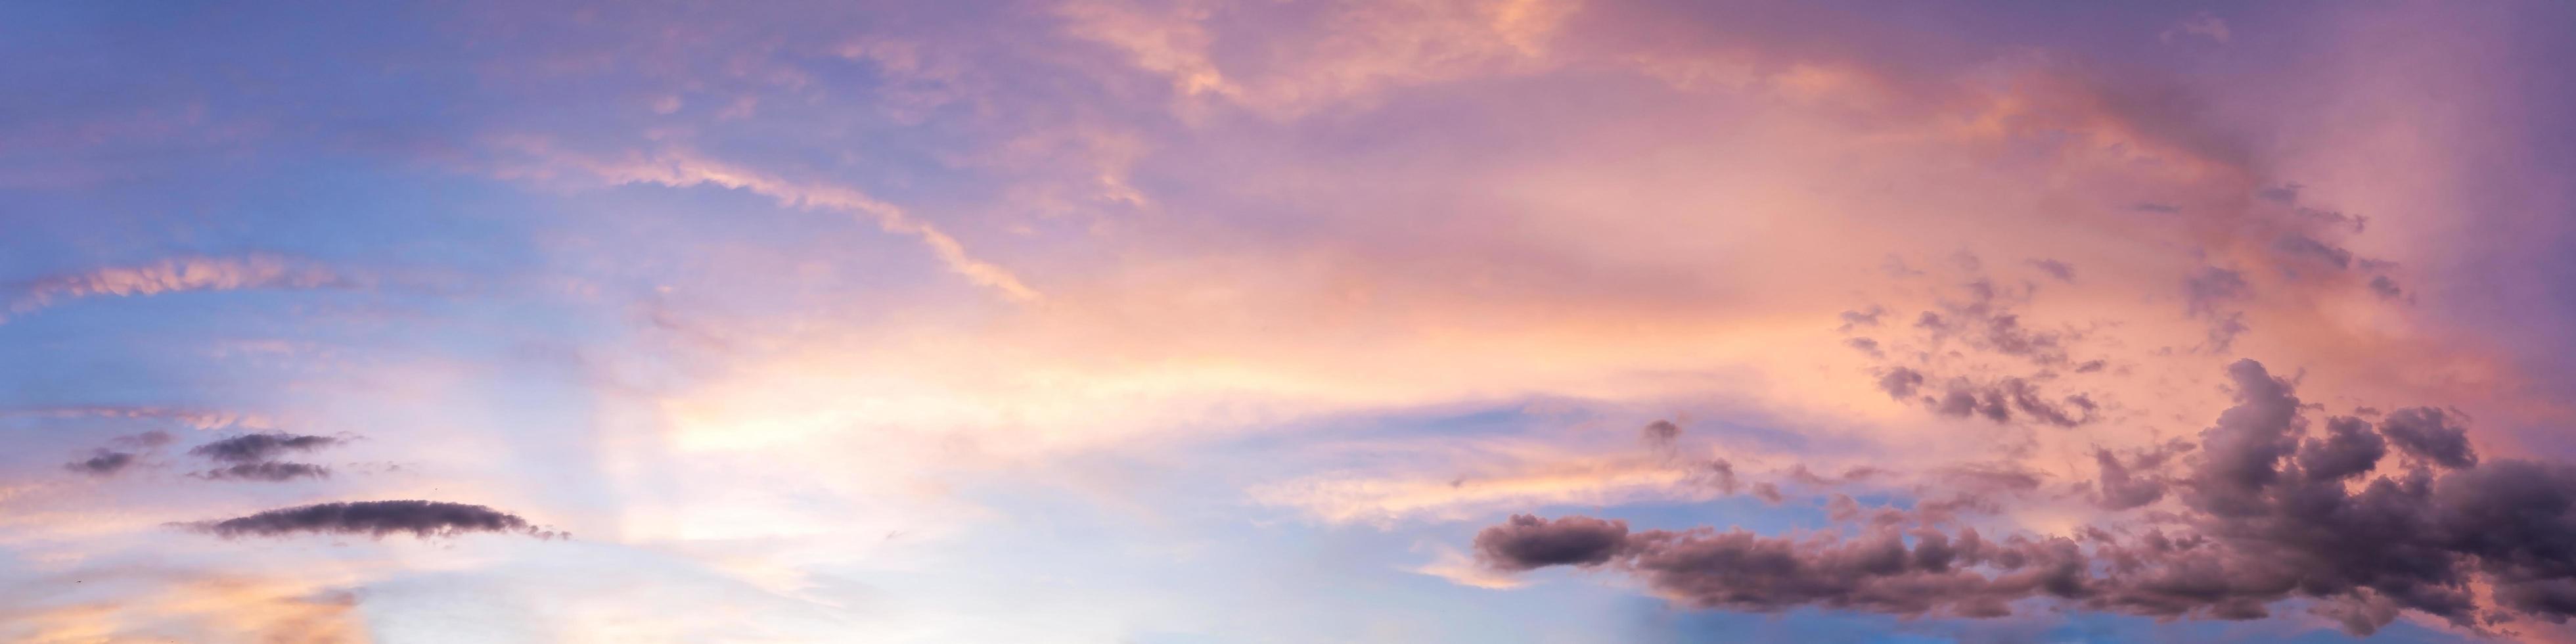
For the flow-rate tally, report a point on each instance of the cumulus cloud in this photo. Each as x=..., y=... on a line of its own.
x=373, y=518
x=2429, y=434
x=2270, y=511
x=260, y=447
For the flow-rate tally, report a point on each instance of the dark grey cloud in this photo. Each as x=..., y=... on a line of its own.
x=2158, y=208
x=272, y=471
x=1963, y=401
x=2298, y=245
x=2212, y=287
x=2119, y=489
x=1997, y=401
x=373, y=518
x=1526, y=542
x=1660, y=433
x=260, y=447
x=2386, y=288
x=1901, y=382
x=2210, y=295
x=102, y=463
x=1862, y=318
x=1866, y=345
x=2354, y=223
x=1719, y=474
x=2348, y=449
x=1986, y=320
x=2270, y=509
x=2063, y=271
x=2429, y=434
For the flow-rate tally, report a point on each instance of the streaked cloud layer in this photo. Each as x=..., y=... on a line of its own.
x=1321, y=320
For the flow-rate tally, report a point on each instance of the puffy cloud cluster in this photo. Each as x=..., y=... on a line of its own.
x=2268, y=511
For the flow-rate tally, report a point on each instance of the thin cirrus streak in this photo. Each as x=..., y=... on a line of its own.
x=174, y=275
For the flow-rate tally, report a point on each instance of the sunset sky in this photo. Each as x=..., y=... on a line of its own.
x=1209, y=321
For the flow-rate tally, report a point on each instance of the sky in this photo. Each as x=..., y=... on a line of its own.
x=1208, y=321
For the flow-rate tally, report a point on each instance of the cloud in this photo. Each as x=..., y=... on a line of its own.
x=1995, y=401
x=373, y=518
x=1527, y=542
x=272, y=471
x=682, y=170
x=1661, y=434
x=2118, y=489
x=2385, y=287
x=104, y=463
x=260, y=447
x=2265, y=517
x=2348, y=449
x=2429, y=434
x=174, y=275
x=2063, y=271
x=2297, y=245
x=194, y=418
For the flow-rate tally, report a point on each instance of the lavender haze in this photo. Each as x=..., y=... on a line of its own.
x=1153, y=321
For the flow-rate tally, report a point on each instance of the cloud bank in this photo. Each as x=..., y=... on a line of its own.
x=2269, y=511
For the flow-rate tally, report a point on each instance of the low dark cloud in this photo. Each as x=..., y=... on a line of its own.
x=1866, y=345
x=2429, y=434
x=1901, y=382
x=1660, y=433
x=1998, y=401
x=248, y=448
x=1719, y=474
x=102, y=463
x=1768, y=493
x=2063, y=271
x=2212, y=287
x=2348, y=449
x=1526, y=542
x=272, y=471
x=2386, y=288
x=1862, y=318
x=1986, y=320
x=2297, y=245
x=2119, y=489
x=2264, y=508
x=373, y=518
